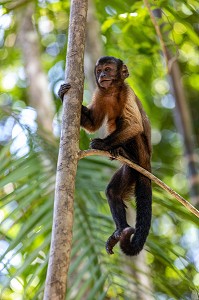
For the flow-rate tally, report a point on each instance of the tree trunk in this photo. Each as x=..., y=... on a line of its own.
x=59, y=259
x=40, y=97
x=94, y=47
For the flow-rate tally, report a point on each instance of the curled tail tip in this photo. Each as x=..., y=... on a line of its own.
x=127, y=246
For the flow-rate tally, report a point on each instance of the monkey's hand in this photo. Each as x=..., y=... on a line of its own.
x=115, y=152
x=100, y=144
x=63, y=90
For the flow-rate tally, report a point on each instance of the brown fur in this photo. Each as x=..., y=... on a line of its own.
x=129, y=134
x=111, y=106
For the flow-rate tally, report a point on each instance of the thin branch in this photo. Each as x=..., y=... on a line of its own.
x=10, y=5
x=184, y=202
x=159, y=34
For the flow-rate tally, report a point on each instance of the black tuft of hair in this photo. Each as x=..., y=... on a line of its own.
x=108, y=59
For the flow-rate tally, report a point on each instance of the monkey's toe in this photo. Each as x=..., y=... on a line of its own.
x=111, y=242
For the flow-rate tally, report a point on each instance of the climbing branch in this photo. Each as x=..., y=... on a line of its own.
x=179, y=198
x=159, y=34
x=59, y=259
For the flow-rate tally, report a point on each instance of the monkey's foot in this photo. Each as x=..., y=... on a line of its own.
x=112, y=241
x=125, y=238
x=119, y=236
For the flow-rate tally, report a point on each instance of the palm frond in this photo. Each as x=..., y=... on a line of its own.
x=27, y=192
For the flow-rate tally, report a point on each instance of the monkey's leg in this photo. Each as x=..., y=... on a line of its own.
x=119, y=188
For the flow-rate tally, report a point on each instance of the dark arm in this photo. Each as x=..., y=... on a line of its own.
x=123, y=133
x=91, y=118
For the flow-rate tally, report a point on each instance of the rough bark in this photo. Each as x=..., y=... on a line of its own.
x=59, y=260
x=40, y=97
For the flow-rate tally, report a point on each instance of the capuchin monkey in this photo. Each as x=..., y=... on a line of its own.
x=129, y=135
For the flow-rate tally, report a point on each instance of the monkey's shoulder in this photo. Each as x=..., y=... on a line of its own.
x=132, y=106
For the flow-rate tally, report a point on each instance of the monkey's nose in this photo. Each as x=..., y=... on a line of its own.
x=103, y=74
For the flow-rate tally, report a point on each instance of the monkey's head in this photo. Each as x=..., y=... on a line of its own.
x=110, y=72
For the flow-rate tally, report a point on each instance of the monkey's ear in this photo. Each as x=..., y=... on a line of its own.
x=124, y=72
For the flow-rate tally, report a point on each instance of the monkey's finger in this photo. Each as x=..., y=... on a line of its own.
x=112, y=158
x=96, y=144
x=63, y=89
x=114, y=153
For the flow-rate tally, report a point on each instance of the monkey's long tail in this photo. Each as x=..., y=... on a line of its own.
x=143, y=192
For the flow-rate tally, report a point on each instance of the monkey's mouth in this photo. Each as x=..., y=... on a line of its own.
x=105, y=83
x=102, y=80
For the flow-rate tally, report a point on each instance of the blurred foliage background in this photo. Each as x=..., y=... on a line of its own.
x=33, y=42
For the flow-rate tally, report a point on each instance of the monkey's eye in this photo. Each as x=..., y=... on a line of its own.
x=98, y=72
x=107, y=69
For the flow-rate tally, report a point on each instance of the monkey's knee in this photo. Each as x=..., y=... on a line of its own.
x=111, y=192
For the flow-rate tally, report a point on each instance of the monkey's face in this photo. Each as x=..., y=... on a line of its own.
x=110, y=72
x=106, y=74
